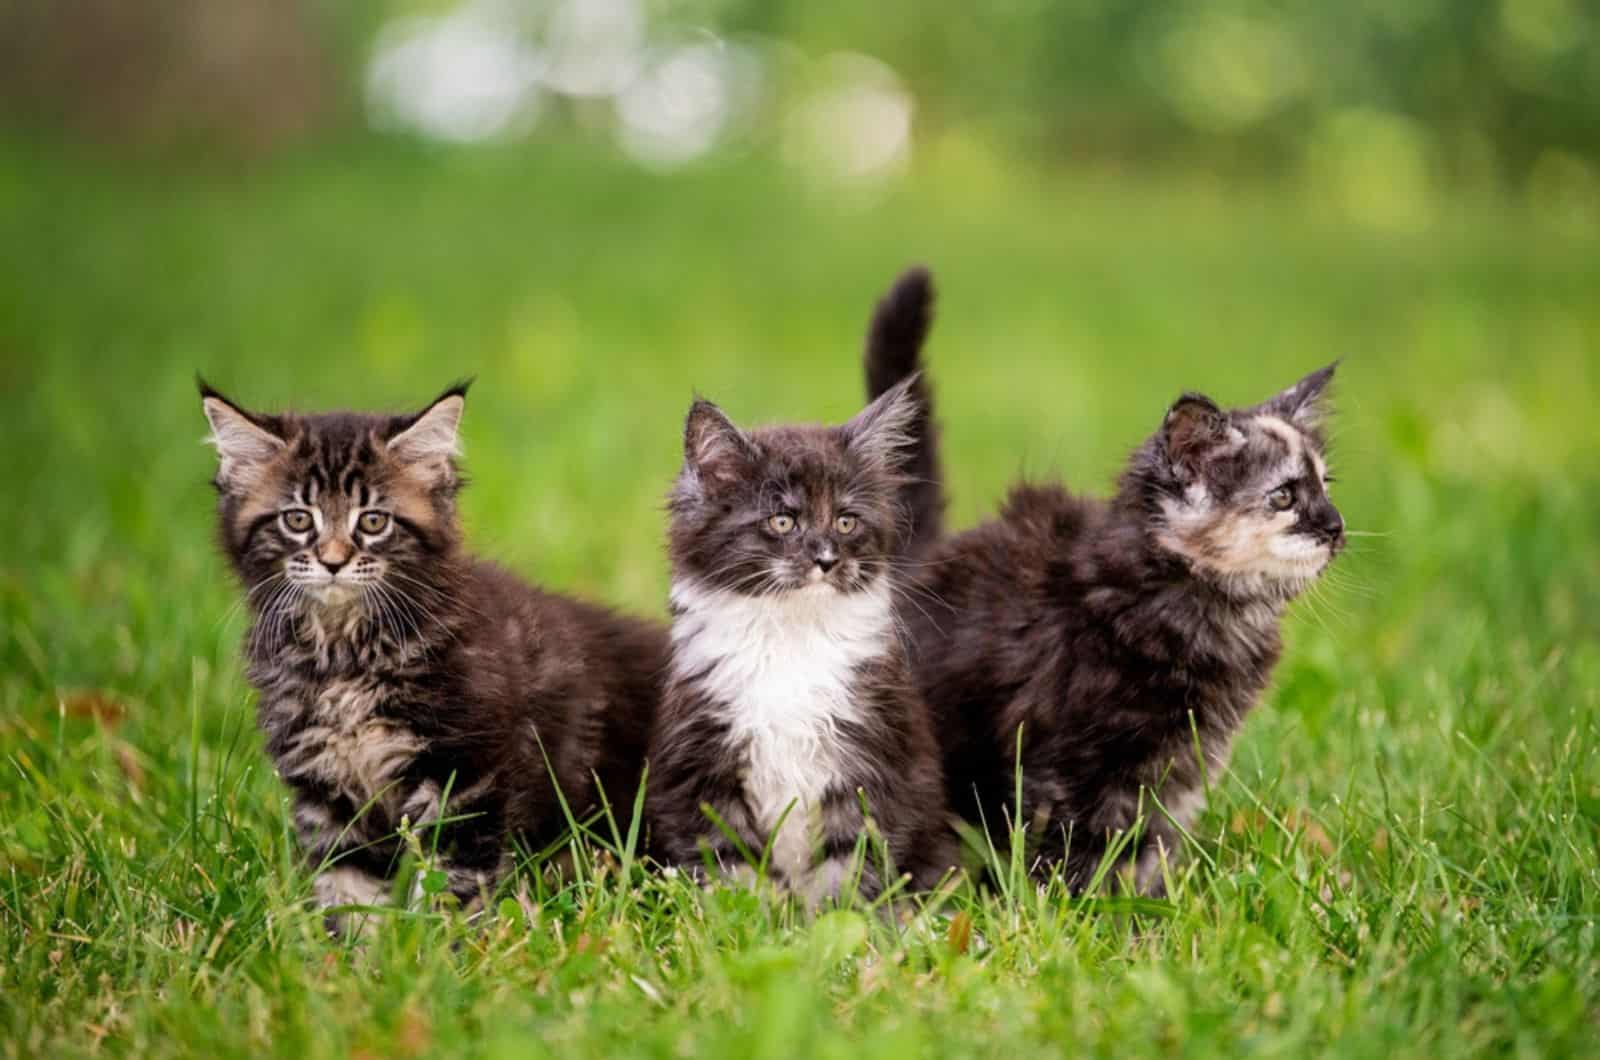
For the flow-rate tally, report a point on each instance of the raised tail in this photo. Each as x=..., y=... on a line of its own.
x=894, y=351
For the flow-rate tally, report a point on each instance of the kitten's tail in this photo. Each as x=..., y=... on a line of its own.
x=894, y=351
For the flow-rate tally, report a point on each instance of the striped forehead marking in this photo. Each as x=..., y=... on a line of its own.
x=1300, y=455
x=1284, y=433
x=337, y=472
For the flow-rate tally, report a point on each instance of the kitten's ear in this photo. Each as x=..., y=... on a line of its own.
x=713, y=448
x=883, y=433
x=1194, y=429
x=243, y=442
x=1305, y=404
x=430, y=437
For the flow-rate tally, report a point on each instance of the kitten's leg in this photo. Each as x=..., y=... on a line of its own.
x=725, y=852
x=1058, y=841
x=346, y=886
x=1083, y=851
x=1139, y=857
x=350, y=872
x=903, y=839
x=685, y=833
x=936, y=857
x=1158, y=849
x=840, y=826
x=463, y=833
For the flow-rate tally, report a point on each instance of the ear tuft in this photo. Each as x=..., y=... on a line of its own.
x=243, y=444
x=883, y=434
x=433, y=435
x=1306, y=403
x=714, y=448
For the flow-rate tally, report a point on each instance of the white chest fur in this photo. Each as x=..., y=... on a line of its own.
x=782, y=671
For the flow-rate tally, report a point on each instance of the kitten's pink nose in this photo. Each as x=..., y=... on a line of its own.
x=333, y=555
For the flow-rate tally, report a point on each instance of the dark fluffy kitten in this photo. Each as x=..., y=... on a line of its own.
x=1116, y=632
x=788, y=681
x=399, y=677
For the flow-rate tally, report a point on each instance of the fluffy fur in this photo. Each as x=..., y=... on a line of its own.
x=1114, y=634
x=789, y=691
x=400, y=678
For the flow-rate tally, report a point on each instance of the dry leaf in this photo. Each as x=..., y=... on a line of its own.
x=1314, y=833
x=101, y=706
x=960, y=933
x=128, y=760
x=413, y=1035
x=588, y=944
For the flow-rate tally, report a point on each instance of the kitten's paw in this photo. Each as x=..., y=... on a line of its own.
x=340, y=887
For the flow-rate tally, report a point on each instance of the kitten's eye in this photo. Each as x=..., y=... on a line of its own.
x=297, y=520
x=373, y=522
x=781, y=524
x=1281, y=499
x=845, y=524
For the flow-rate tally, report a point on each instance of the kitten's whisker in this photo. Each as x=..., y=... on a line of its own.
x=919, y=564
x=418, y=615
x=411, y=579
x=755, y=577
x=912, y=600
x=421, y=610
x=1315, y=603
x=287, y=618
x=275, y=576
x=1346, y=582
x=385, y=614
x=414, y=614
x=240, y=602
x=440, y=596
x=262, y=631
x=911, y=585
x=1324, y=598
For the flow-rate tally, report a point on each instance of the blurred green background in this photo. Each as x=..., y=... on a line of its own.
x=598, y=207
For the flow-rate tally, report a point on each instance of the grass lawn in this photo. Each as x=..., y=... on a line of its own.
x=1402, y=859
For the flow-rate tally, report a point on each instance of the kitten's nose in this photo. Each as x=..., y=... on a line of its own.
x=1330, y=524
x=827, y=562
x=333, y=555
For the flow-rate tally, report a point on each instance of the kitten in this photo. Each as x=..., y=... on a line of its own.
x=1105, y=629
x=400, y=678
x=788, y=681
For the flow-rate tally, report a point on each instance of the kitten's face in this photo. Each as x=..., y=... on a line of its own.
x=1246, y=491
x=334, y=511
x=790, y=509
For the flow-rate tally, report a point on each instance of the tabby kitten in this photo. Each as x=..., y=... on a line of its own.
x=789, y=691
x=401, y=679
x=1115, y=633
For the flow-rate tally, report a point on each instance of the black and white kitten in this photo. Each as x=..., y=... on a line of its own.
x=1114, y=632
x=400, y=678
x=789, y=691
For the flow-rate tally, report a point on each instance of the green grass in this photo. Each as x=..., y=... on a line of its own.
x=1402, y=859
